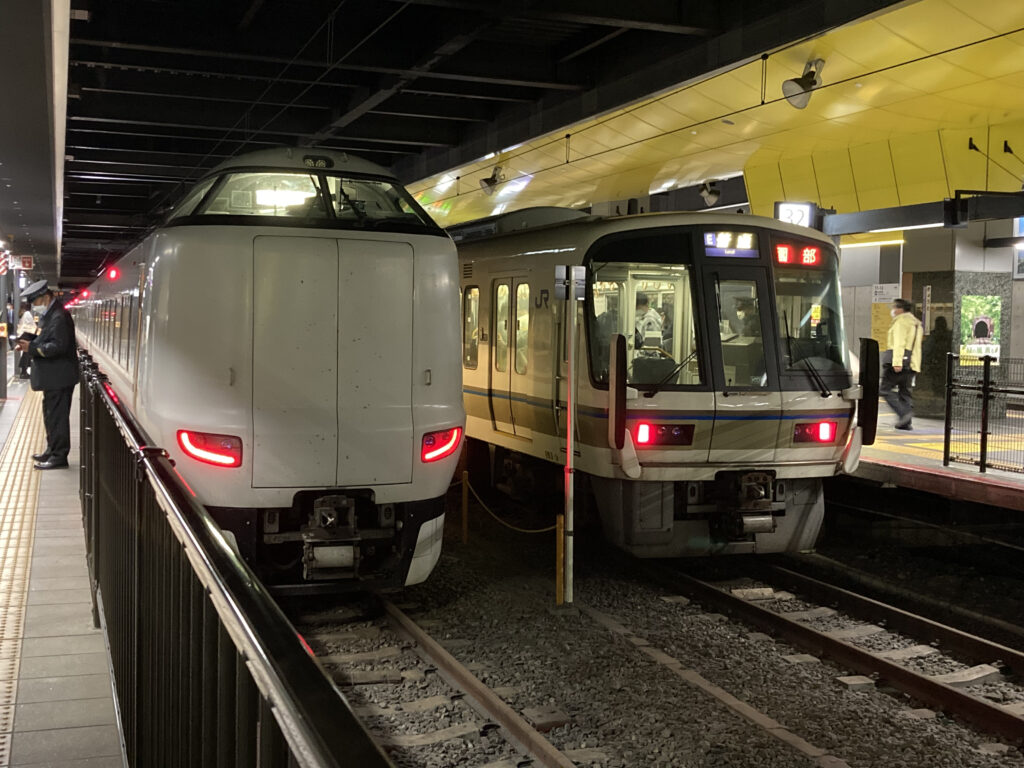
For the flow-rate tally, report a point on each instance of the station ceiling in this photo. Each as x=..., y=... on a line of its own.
x=653, y=95
x=160, y=90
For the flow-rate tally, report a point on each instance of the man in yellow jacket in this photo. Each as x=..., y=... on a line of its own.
x=904, y=346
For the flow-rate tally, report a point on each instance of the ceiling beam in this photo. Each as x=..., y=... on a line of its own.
x=399, y=71
x=650, y=15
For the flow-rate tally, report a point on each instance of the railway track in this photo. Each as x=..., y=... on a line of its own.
x=419, y=702
x=940, y=666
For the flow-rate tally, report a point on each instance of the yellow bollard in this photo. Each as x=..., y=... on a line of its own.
x=465, y=507
x=560, y=560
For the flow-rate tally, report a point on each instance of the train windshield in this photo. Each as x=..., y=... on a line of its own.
x=810, y=320
x=652, y=306
x=301, y=198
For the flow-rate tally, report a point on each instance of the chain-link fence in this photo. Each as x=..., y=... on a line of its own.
x=985, y=412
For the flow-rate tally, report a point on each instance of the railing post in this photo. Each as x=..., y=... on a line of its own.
x=986, y=388
x=948, y=426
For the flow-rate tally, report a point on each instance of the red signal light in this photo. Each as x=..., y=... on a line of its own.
x=440, y=444
x=113, y=273
x=819, y=432
x=644, y=434
x=219, y=450
x=84, y=294
x=784, y=254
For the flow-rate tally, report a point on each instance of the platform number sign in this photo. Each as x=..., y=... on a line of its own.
x=801, y=214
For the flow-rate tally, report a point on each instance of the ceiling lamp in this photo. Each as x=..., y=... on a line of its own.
x=710, y=192
x=798, y=90
x=497, y=176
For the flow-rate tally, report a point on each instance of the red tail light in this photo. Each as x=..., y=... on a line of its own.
x=113, y=273
x=644, y=434
x=818, y=432
x=219, y=450
x=438, y=445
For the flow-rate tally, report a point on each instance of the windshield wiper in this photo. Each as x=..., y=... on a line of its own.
x=675, y=371
x=819, y=382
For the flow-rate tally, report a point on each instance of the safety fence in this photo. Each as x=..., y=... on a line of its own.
x=207, y=669
x=985, y=412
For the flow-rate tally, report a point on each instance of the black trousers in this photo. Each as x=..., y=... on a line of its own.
x=57, y=418
x=901, y=400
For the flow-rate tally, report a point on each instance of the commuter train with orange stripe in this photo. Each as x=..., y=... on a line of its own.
x=289, y=335
x=714, y=384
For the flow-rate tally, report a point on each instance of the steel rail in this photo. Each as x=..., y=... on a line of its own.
x=918, y=602
x=520, y=732
x=976, y=649
x=986, y=716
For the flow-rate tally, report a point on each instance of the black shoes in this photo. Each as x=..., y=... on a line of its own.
x=40, y=456
x=905, y=427
x=52, y=463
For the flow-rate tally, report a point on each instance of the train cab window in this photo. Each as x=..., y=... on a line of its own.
x=522, y=326
x=810, y=320
x=280, y=194
x=652, y=305
x=373, y=203
x=191, y=201
x=741, y=334
x=470, y=327
x=501, y=329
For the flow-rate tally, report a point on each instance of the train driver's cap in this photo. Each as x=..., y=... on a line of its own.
x=34, y=291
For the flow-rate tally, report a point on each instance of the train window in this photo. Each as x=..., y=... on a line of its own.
x=652, y=305
x=522, y=326
x=741, y=334
x=280, y=194
x=810, y=319
x=188, y=205
x=501, y=329
x=470, y=327
x=366, y=202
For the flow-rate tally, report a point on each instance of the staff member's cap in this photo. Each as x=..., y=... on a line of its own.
x=35, y=290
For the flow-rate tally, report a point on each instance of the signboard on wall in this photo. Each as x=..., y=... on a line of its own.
x=980, y=326
x=882, y=295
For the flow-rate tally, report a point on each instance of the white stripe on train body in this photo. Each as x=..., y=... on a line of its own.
x=733, y=421
x=310, y=311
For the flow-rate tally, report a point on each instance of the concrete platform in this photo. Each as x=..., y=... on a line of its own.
x=56, y=700
x=914, y=460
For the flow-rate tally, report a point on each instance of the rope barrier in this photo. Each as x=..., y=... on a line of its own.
x=507, y=525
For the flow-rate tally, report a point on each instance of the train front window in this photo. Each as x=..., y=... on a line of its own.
x=652, y=306
x=741, y=334
x=301, y=198
x=810, y=319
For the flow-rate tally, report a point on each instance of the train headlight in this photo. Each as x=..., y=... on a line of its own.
x=219, y=450
x=438, y=445
x=817, y=432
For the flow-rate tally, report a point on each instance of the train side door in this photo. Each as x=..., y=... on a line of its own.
x=748, y=403
x=502, y=350
x=522, y=365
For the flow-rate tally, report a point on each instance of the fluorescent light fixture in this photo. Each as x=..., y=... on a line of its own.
x=444, y=184
x=915, y=226
x=281, y=198
x=876, y=242
x=514, y=187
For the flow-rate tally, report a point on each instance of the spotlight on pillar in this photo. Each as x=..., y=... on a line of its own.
x=710, y=192
x=798, y=90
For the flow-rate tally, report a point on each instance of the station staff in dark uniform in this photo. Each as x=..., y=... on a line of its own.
x=54, y=371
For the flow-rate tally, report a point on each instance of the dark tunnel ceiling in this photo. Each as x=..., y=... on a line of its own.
x=159, y=91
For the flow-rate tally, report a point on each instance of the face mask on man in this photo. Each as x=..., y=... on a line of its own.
x=38, y=310
x=892, y=313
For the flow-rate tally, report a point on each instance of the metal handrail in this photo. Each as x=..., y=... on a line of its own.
x=316, y=720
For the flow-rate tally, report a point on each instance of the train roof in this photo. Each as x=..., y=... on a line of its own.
x=527, y=220
x=301, y=158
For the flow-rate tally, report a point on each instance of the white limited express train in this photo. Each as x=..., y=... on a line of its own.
x=714, y=384
x=289, y=335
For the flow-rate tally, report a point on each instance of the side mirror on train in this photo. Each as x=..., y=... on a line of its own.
x=867, y=408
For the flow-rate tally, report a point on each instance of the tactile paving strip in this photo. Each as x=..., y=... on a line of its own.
x=19, y=494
